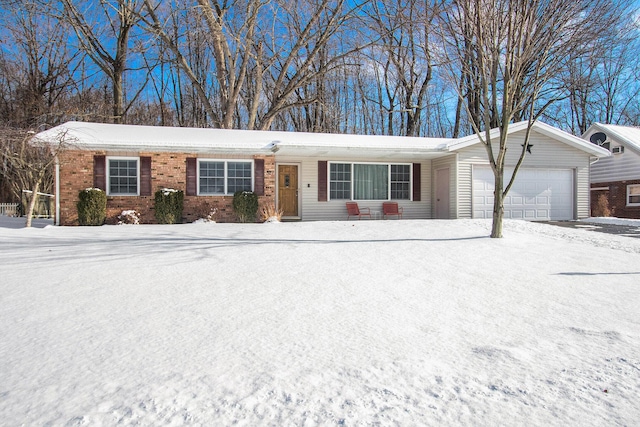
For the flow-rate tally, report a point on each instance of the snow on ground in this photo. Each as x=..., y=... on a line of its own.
x=319, y=323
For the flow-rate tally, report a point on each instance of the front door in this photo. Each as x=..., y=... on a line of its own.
x=442, y=194
x=288, y=189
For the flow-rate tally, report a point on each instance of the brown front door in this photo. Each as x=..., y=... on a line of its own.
x=288, y=189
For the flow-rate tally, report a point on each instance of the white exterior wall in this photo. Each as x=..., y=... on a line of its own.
x=619, y=167
x=546, y=153
x=313, y=210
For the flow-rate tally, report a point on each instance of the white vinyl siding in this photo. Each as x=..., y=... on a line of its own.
x=545, y=153
x=313, y=210
x=618, y=167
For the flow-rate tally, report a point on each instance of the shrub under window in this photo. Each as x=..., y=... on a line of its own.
x=245, y=205
x=92, y=207
x=168, y=206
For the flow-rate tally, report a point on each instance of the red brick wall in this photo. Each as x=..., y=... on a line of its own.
x=168, y=170
x=617, y=197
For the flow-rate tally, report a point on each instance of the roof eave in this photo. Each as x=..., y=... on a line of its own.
x=172, y=149
x=544, y=129
x=319, y=150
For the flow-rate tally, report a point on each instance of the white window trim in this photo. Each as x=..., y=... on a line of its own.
x=410, y=199
x=108, y=175
x=629, y=194
x=226, y=176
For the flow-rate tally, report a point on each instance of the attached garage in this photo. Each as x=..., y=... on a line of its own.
x=538, y=194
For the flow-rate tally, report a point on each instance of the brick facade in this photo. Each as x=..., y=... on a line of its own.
x=168, y=170
x=617, y=198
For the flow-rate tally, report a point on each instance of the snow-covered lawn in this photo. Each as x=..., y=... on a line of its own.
x=319, y=323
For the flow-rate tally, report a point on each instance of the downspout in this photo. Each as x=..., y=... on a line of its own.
x=593, y=161
x=57, y=191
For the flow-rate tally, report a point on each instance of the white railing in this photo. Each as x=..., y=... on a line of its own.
x=9, y=209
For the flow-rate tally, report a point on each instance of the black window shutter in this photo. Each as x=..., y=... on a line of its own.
x=416, y=182
x=145, y=176
x=258, y=180
x=99, y=172
x=192, y=176
x=322, y=180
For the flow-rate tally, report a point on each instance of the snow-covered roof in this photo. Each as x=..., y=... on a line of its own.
x=114, y=137
x=105, y=136
x=542, y=128
x=625, y=135
x=133, y=137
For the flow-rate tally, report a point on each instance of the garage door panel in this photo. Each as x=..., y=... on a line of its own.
x=516, y=214
x=542, y=200
x=537, y=194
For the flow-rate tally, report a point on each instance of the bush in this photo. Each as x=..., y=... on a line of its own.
x=168, y=206
x=245, y=205
x=92, y=206
x=207, y=214
x=129, y=217
x=270, y=213
x=602, y=206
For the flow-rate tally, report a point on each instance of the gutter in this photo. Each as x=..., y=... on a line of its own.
x=173, y=149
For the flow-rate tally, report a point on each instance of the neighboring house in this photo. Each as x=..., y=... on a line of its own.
x=616, y=177
x=311, y=176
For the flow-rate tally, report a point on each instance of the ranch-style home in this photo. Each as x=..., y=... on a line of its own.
x=312, y=176
x=617, y=177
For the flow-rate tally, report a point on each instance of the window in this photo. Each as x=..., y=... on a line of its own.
x=633, y=195
x=369, y=181
x=224, y=177
x=400, y=182
x=238, y=177
x=340, y=181
x=122, y=176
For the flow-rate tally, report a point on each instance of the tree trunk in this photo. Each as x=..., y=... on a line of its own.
x=32, y=203
x=118, y=98
x=498, y=206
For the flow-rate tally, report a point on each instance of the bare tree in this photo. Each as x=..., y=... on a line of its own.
x=230, y=35
x=103, y=31
x=404, y=28
x=36, y=67
x=509, y=52
x=27, y=164
x=263, y=52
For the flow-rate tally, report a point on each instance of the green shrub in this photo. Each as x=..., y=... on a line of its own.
x=245, y=205
x=92, y=206
x=168, y=206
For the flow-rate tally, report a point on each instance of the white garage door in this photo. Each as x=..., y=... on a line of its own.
x=537, y=194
